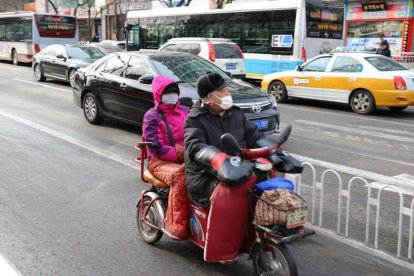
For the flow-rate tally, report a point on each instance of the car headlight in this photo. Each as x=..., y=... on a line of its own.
x=273, y=100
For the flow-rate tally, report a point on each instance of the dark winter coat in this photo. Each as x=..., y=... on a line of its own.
x=385, y=52
x=204, y=127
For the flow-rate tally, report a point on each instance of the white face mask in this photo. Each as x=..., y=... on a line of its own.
x=170, y=98
x=226, y=102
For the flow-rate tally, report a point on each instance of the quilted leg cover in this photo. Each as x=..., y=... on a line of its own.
x=173, y=174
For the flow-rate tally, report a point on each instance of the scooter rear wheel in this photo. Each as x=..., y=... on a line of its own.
x=149, y=234
x=270, y=259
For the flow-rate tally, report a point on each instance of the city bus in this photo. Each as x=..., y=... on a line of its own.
x=23, y=34
x=273, y=35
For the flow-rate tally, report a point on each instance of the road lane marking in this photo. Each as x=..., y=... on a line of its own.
x=6, y=268
x=357, y=131
x=70, y=139
x=349, y=116
x=43, y=85
x=321, y=145
x=13, y=68
x=132, y=164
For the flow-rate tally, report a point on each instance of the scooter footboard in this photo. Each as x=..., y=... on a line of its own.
x=227, y=221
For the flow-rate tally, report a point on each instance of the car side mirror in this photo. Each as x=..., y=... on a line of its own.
x=146, y=79
x=186, y=101
x=299, y=68
x=60, y=56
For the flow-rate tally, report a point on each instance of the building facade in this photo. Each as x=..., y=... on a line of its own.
x=368, y=22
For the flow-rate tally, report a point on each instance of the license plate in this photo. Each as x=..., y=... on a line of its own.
x=261, y=124
x=231, y=66
x=296, y=219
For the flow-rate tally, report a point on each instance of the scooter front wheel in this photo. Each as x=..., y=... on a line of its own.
x=154, y=216
x=273, y=259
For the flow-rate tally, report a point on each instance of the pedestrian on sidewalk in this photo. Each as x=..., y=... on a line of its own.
x=384, y=49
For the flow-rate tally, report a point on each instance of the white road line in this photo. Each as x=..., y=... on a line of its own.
x=131, y=164
x=70, y=139
x=13, y=68
x=357, y=131
x=349, y=116
x=7, y=269
x=321, y=145
x=43, y=85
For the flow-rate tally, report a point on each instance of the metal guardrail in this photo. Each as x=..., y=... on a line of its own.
x=317, y=173
x=406, y=59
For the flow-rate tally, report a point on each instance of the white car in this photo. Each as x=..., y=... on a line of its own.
x=222, y=52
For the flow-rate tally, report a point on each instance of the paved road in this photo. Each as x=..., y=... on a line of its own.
x=68, y=192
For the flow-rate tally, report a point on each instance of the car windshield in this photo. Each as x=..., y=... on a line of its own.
x=81, y=52
x=227, y=50
x=185, y=68
x=385, y=64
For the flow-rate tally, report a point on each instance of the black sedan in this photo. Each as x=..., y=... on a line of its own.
x=119, y=87
x=60, y=62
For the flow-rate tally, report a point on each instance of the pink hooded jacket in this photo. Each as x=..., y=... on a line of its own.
x=154, y=128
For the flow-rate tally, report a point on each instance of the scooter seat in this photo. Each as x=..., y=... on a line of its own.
x=148, y=176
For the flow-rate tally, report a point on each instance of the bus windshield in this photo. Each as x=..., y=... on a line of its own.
x=56, y=26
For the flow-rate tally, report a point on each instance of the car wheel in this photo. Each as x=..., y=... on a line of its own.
x=278, y=90
x=15, y=59
x=362, y=102
x=91, y=109
x=397, y=108
x=38, y=73
x=71, y=77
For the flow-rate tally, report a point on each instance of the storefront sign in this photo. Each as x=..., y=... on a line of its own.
x=373, y=7
x=392, y=9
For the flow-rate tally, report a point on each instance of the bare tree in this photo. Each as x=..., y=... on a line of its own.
x=88, y=5
x=53, y=6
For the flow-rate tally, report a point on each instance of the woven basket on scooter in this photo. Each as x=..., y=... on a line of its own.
x=274, y=207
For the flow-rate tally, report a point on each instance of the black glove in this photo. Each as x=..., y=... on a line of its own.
x=231, y=170
x=273, y=157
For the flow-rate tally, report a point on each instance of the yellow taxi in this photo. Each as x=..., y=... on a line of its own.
x=364, y=81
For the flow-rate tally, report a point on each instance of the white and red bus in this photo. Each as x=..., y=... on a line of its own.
x=23, y=34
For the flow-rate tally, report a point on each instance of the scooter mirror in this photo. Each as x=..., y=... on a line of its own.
x=285, y=134
x=230, y=144
x=186, y=101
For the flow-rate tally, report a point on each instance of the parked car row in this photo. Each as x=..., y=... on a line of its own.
x=60, y=62
x=110, y=83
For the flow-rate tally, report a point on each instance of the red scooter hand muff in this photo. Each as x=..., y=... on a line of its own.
x=218, y=160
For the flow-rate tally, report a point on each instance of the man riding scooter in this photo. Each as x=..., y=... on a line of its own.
x=207, y=165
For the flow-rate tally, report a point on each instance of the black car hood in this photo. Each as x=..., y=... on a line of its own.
x=240, y=91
